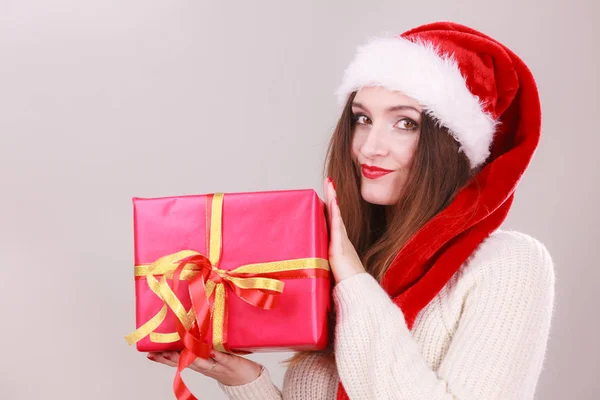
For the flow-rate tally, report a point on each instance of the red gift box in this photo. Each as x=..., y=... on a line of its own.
x=256, y=273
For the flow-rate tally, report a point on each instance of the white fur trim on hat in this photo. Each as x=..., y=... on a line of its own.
x=419, y=71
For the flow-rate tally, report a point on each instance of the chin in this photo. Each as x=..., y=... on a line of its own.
x=377, y=195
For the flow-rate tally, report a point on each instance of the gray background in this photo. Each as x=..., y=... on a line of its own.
x=104, y=100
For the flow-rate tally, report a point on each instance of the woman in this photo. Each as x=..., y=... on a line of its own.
x=432, y=300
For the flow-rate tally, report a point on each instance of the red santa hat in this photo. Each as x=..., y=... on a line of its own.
x=462, y=81
x=487, y=98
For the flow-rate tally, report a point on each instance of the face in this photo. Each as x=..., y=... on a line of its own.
x=386, y=131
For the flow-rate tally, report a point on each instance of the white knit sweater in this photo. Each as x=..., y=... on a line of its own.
x=482, y=337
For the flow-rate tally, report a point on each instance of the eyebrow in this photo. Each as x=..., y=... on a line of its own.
x=389, y=109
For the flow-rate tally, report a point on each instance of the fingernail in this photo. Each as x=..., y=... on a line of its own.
x=212, y=354
x=336, y=202
x=167, y=356
x=150, y=357
x=333, y=183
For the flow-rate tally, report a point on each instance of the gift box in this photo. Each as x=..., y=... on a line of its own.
x=242, y=272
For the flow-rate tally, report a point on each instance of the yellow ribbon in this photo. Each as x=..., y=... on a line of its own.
x=166, y=265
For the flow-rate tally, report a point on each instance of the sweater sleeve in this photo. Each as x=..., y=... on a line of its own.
x=496, y=352
x=262, y=388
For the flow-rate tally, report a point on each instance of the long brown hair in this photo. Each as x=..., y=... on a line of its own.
x=438, y=171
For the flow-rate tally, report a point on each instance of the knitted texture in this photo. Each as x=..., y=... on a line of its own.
x=259, y=389
x=483, y=336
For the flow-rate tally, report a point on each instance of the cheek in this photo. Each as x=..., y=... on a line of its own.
x=357, y=142
x=403, y=150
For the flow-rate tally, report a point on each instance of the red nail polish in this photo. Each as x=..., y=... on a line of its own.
x=150, y=357
x=333, y=183
x=212, y=354
x=336, y=202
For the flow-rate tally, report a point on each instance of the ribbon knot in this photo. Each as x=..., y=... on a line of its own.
x=211, y=272
x=218, y=275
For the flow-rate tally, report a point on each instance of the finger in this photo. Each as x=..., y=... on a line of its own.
x=158, y=357
x=223, y=363
x=326, y=200
x=338, y=232
x=171, y=356
x=223, y=359
x=329, y=190
x=204, y=366
x=325, y=192
x=338, y=217
x=333, y=191
x=327, y=196
x=334, y=223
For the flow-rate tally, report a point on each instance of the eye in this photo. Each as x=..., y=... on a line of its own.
x=407, y=124
x=360, y=119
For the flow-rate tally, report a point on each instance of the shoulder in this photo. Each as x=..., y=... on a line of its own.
x=511, y=260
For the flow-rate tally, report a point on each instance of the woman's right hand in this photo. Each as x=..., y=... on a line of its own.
x=229, y=369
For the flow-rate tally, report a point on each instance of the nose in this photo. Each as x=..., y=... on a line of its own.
x=375, y=143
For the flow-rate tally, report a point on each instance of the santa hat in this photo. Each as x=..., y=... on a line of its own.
x=461, y=81
x=487, y=98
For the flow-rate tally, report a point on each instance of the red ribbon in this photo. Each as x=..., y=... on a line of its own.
x=192, y=340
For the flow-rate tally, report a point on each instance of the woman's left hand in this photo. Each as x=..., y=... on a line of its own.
x=229, y=369
x=343, y=259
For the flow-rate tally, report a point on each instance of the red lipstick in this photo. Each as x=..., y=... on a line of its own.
x=372, y=172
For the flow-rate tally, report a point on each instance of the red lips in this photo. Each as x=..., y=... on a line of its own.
x=373, y=172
